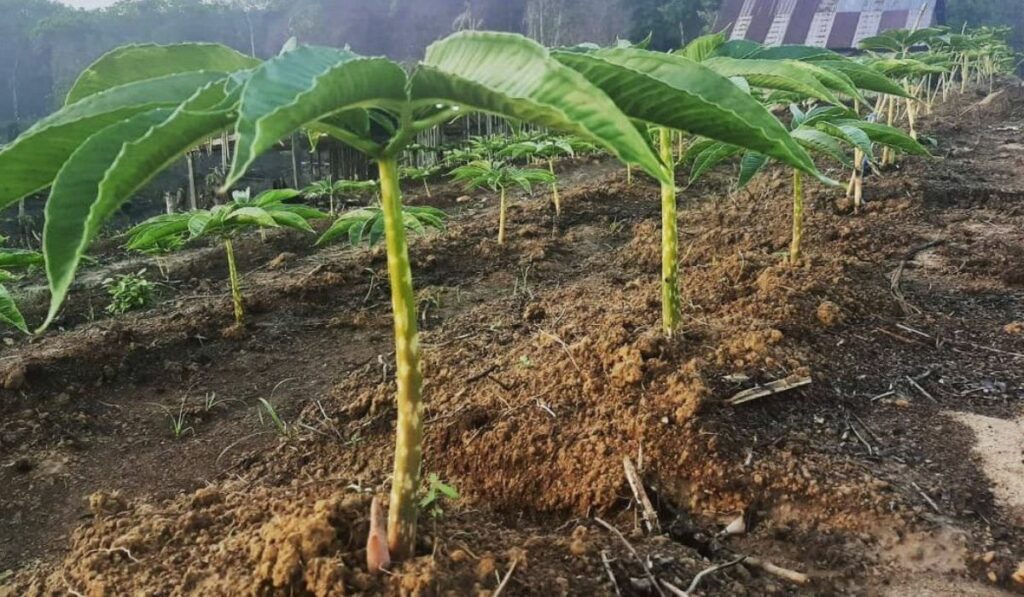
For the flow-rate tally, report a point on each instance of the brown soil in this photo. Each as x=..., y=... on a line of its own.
x=545, y=367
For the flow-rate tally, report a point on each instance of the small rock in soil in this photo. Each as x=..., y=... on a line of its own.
x=485, y=568
x=279, y=261
x=16, y=378
x=829, y=314
x=1018, y=576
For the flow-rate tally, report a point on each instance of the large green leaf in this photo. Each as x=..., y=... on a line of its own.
x=302, y=86
x=835, y=80
x=695, y=149
x=772, y=74
x=129, y=64
x=849, y=134
x=672, y=91
x=66, y=233
x=738, y=48
x=750, y=165
x=114, y=164
x=882, y=43
x=703, y=47
x=822, y=143
x=30, y=163
x=9, y=312
x=515, y=77
x=711, y=157
x=884, y=134
x=252, y=216
x=273, y=196
x=864, y=77
x=149, y=234
x=905, y=67
x=290, y=220
x=795, y=52
x=18, y=258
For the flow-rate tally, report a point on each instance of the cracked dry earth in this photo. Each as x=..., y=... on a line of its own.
x=896, y=471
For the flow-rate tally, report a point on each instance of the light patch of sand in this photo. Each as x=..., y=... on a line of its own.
x=1000, y=445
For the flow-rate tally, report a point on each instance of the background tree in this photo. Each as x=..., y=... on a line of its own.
x=671, y=23
x=988, y=12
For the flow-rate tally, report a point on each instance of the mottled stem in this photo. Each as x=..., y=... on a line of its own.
x=671, y=304
x=403, y=508
x=554, y=188
x=798, y=216
x=236, y=286
x=857, y=182
x=501, y=218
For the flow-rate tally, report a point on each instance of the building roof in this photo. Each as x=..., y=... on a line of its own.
x=836, y=24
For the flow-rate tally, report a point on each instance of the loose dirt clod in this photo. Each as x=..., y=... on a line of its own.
x=15, y=378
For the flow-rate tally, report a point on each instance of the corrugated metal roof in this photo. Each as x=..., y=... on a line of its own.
x=836, y=24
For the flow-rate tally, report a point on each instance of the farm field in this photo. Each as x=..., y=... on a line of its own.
x=895, y=471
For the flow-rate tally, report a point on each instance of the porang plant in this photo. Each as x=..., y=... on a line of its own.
x=499, y=177
x=421, y=174
x=224, y=222
x=322, y=189
x=830, y=132
x=368, y=224
x=671, y=92
x=139, y=108
x=547, y=150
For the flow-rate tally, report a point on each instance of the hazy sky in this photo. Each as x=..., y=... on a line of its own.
x=88, y=3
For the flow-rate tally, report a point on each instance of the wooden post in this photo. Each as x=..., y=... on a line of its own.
x=225, y=155
x=193, y=201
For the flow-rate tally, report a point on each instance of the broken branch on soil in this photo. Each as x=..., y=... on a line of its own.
x=871, y=451
x=897, y=336
x=481, y=375
x=883, y=395
x=608, y=568
x=504, y=386
x=504, y=581
x=923, y=391
x=632, y=550
x=791, y=575
x=711, y=570
x=650, y=516
x=897, y=276
x=930, y=501
x=775, y=387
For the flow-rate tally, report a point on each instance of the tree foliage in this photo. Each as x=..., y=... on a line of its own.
x=671, y=23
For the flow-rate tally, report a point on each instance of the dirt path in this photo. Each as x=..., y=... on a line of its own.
x=545, y=368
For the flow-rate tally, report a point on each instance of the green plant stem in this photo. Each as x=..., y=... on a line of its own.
x=409, y=429
x=911, y=109
x=858, y=179
x=671, y=304
x=554, y=188
x=501, y=218
x=236, y=287
x=798, y=216
x=889, y=156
